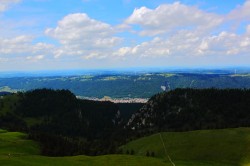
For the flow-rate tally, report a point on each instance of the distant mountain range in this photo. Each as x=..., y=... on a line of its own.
x=120, y=71
x=4, y=93
x=129, y=85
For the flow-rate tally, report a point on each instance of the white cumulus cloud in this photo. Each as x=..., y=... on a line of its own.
x=181, y=32
x=79, y=34
x=189, y=44
x=171, y=17
x=22, y=46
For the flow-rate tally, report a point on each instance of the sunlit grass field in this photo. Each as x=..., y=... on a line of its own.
x=212, y=147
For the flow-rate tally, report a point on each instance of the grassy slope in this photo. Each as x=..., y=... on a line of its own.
x=15, y=150
x=14, y=143
x=213, y=147
x=197, y=148
x=109, y=160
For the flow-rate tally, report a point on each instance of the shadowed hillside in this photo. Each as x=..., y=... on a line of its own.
x=192, y=109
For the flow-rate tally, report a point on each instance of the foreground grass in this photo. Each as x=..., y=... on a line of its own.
x=214, y=147
x=16, y=150
x=122, y=160
x=16, y=144
x=228, y=147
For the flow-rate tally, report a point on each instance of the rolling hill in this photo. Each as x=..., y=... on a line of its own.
x=202, y=147
x=227, y=147
x=16, y=150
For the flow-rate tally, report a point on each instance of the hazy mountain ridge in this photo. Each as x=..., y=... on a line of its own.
x=117, y=85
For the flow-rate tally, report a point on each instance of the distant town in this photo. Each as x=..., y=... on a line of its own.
x=116, y=100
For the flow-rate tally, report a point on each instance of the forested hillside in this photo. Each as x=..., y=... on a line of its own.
x=62, y=123
x=65, y=125
x=192, y=109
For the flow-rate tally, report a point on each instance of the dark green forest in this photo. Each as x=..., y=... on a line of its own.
x=63, y=124
x=194, y=109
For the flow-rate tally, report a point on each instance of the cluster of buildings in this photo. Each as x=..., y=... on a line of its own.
x=116, y=100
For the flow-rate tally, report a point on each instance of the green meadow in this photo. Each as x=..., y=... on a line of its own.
x=203, y=147
x=225, y=147
x=17, y=150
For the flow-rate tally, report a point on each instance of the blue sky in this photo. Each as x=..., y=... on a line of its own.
x=95, y=34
